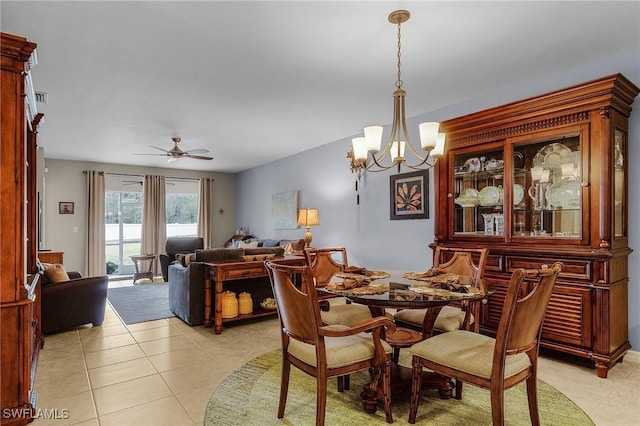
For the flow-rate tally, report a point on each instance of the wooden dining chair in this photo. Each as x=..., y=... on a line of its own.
x=455, y=316
x=324, y=264
x=494, y=363
x=324, y=351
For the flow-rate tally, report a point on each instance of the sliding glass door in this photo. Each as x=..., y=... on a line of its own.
x=123, y=230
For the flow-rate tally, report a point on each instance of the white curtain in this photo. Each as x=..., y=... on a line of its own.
x=95, y=260
x=154, y=218
x=205, y=203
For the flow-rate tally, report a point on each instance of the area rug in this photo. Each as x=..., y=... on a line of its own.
x=140, y=303
x=249, y=396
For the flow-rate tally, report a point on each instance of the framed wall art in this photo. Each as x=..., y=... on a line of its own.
x=65, y=207
x=284, y=210
x=410, y=195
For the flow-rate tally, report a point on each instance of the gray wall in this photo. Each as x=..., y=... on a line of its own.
x=64, y=181
x=322, y=176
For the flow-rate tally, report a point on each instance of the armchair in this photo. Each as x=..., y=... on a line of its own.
x=72, y=303
x=176, y=245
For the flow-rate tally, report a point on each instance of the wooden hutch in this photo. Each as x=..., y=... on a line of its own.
x=21, y=338
x=543, y=180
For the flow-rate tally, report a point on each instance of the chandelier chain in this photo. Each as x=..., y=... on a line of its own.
x=399, y=81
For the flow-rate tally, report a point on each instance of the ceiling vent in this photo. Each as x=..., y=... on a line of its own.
x=42, y=97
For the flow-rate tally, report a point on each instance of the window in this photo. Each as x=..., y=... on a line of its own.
x=182, y=207
x=123, y=217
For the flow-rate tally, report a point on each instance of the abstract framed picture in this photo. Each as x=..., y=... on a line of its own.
x=410, y=195
x=284, y=210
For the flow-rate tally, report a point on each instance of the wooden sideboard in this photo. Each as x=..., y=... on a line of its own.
x=51, y=257
x=251, y=277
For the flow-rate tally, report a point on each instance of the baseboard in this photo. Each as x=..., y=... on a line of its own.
x=633, y=356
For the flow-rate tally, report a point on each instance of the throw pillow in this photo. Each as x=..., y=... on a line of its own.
x=242, y=244
x=55, y=272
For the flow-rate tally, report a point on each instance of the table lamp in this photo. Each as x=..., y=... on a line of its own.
x=308, y=217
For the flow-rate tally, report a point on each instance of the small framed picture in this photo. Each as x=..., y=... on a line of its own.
x=410, y=195
x=65, y=207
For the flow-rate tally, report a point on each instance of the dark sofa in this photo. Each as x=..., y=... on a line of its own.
x=72, y=303
x=177, y=245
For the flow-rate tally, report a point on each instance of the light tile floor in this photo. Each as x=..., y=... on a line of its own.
x=164, y=372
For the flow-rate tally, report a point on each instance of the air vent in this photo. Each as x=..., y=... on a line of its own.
x=42, y=97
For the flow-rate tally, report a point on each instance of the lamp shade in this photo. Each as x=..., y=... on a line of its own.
x=308, y=217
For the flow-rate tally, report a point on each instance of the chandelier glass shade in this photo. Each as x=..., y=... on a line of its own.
x=367, y=153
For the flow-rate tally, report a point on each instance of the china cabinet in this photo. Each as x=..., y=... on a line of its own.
x=544, y=180
x=21, y=337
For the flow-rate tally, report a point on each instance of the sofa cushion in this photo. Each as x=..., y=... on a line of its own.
x=54, y=273
x=245, y=245
x=269, y=243
x=218, y=254
x=185, y=258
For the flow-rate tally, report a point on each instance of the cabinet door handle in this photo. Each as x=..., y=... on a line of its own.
x=34, y=322
x=584, y=184
x=449, y=195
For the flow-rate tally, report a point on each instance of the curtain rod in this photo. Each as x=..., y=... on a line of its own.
x=142, y=176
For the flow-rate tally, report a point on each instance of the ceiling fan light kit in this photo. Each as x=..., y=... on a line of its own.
x=365, y=152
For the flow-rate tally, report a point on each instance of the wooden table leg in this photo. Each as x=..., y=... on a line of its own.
x=218, y=319
x=207, y=301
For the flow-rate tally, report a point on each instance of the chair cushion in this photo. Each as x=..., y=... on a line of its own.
x=344, y=314
x=450, y=318
x=468, y=352
x=340, y=350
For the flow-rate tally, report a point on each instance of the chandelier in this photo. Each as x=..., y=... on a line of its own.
x=365, y=152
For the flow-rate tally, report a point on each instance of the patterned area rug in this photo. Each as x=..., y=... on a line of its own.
x=140, y=303
x=249, y=396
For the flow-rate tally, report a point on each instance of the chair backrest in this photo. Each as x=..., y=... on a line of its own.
x=461, y=263
x=176, y=245
x=524, y=308
x=299, y=312
x=325, y=262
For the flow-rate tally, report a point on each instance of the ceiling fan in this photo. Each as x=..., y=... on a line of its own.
x=176, y=153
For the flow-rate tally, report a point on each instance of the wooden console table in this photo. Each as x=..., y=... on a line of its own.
x=221, y=272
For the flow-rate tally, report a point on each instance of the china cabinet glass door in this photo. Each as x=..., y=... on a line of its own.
x=478, y=193
x=547, y=188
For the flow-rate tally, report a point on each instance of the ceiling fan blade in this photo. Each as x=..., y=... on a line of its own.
x=161, y=149
x=197, y=151
x=199, y=157
x=164, y=155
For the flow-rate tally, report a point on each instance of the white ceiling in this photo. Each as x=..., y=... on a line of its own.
x=253, y=82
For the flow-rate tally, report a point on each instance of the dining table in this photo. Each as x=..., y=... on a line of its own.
x=394, y=289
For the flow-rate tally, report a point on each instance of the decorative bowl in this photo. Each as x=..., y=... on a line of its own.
x=254, y=257
x=269, y=304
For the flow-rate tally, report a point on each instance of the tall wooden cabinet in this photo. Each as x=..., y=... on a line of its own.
x=20, y=338
x=544, y=180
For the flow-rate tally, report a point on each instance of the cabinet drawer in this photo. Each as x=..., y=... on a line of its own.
x=252, y=271
x=495, y=262
x=574, y=269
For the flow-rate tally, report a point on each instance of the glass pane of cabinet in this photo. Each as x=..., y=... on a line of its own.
x=547, y=190
x=478, y=193
x=535, y=194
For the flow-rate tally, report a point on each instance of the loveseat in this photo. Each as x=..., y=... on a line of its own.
x=186, y=279
x=74, y=302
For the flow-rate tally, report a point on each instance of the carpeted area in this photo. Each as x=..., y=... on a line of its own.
x=140, y=303
x=249, y=396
